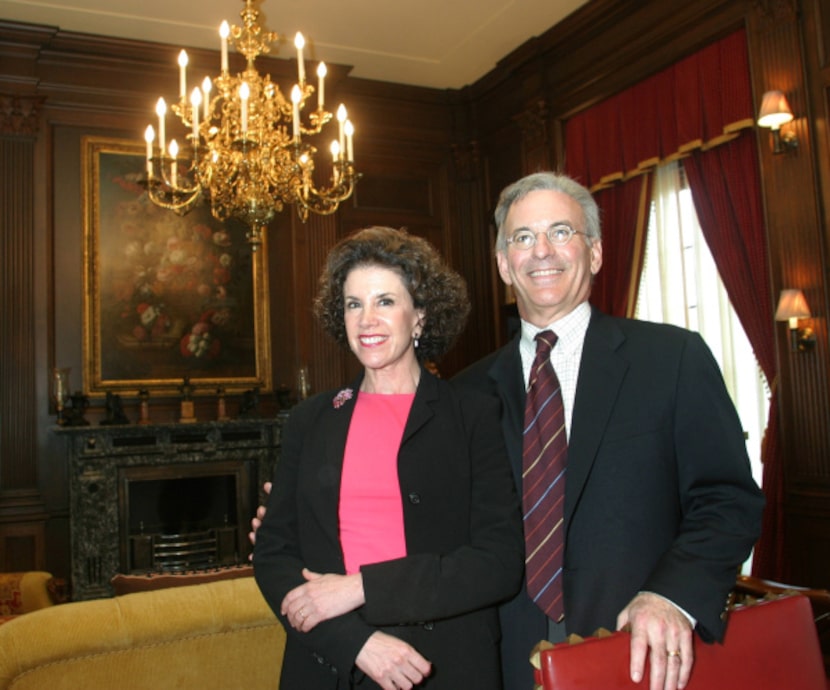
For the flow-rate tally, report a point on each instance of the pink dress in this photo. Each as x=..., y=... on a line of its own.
x=371, y=511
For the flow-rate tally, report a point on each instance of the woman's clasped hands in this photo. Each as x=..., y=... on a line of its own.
x=389, y=661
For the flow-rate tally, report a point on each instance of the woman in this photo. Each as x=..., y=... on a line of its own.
x=393, y=527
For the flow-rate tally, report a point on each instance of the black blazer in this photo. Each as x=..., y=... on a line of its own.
x=462, y=523
x=659, y=494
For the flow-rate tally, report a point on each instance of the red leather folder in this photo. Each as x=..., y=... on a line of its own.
x=769, y=645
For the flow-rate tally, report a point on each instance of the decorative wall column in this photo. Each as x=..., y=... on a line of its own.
x=472, y=247
x=21, y=510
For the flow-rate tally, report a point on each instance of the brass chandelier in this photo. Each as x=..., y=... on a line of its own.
x=247, y=155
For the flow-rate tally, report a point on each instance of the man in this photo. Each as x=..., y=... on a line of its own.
x=660, y=508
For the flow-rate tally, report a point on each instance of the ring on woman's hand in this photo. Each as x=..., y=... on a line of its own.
x=302, y=615
x=672, y=652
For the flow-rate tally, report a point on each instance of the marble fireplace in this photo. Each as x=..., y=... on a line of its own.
x=163, y=497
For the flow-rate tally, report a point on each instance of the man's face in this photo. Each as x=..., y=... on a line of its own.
x=549, y=280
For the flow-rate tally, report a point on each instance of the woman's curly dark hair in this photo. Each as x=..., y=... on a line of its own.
x=433, y=285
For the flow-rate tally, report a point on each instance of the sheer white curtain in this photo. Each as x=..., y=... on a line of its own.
x=680, y=285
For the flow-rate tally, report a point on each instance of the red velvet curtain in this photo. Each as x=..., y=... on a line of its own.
x=726, y=193
x=624, y=212
x=695, y=110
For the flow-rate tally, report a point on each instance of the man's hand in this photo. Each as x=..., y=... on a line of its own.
x=256, y=521
x=392, y=663
x=322, y=597
x=660, y=629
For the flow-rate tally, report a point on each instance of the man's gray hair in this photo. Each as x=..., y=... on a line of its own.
x=554, y=182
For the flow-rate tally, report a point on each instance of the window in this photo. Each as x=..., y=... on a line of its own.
x=680, y=285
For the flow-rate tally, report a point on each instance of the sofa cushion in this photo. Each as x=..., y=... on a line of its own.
x=127, y=584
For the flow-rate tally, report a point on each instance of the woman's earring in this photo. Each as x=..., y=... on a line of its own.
x=416, y=343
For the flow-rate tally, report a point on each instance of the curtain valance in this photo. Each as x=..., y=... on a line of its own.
x=697, y=103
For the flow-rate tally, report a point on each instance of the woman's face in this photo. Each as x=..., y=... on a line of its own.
x=381, y=319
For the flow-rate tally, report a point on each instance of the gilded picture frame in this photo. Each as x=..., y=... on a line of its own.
x=165, y=296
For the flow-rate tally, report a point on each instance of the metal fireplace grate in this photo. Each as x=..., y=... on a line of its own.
x=184, y=551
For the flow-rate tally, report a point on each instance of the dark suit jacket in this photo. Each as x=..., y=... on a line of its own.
x=462, y=524
x=659, y=494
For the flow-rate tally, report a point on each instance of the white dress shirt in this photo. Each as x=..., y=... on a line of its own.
x=565, y=355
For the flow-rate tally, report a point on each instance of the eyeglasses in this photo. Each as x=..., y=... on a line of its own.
x=558, y=234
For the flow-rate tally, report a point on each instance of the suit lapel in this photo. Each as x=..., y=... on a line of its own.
x=335, y=429
x=506, y=372
x=422, y=405
x=601, y=373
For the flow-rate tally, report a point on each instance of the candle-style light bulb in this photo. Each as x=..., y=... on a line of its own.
x=224, y=32
x=182, y=75
x=161, y=111
x=321, y=76
x=207, y=85
x=195, y=102
x=349, y=129
x=299, y=44
x=174, y=167
x=341, y=119
x=335, y=157
x=149, y=137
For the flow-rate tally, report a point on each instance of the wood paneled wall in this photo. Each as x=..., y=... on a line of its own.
x=432, y=161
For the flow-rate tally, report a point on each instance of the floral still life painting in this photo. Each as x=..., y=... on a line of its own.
x=167, y=296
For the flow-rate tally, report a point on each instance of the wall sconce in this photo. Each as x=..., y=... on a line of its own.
x=775, y=111
x=791, y=307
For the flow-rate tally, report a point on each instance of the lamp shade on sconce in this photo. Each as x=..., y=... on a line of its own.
x=792, y=306
x=775, y=111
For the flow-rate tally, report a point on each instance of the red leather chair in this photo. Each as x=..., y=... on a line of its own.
x=769, y=645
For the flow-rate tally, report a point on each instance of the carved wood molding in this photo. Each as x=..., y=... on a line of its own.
x=467, y=158
x=20, y=115
x=776, y=11
x=533, y=121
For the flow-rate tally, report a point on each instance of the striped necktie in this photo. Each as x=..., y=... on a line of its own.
x=544, y=458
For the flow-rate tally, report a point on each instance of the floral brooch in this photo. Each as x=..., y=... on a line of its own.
x=341, y=398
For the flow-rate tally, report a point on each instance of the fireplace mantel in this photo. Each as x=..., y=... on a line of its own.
x=104, y=460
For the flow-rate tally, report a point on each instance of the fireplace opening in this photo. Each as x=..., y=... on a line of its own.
x=175, y=519
x=176, y=506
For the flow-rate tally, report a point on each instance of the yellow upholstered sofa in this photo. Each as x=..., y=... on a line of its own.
x=215, y=636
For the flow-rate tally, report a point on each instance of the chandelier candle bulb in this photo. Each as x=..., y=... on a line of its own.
x=174, y=152
x=224, y=32
x=206, y=87
x=335, y=155
x=182, y=76
x=149, y=136
x=349, y=128
x=321, y=76
x=161, y=110
x=244, y=94
x=299, y=44
x=341, y=119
